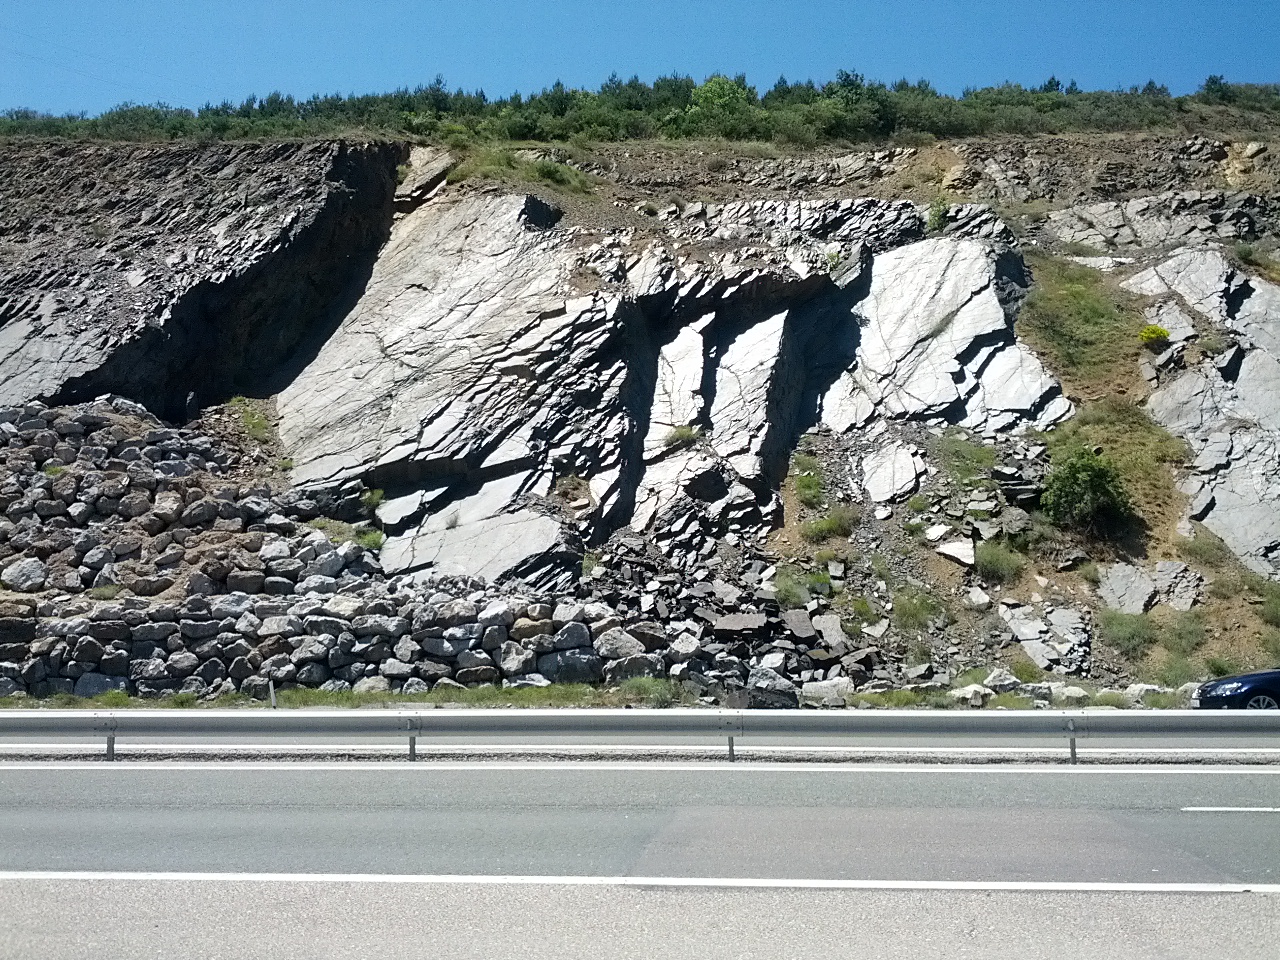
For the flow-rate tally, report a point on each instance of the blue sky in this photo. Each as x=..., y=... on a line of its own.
x=87, y=55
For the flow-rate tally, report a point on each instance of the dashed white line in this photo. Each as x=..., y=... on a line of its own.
x=1231, y=809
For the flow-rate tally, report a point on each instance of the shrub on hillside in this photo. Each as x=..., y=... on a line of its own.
x=1083, y=490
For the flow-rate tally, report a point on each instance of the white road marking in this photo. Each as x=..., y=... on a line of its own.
x=1231, y=809
x=657, y=766
x=1272, y=889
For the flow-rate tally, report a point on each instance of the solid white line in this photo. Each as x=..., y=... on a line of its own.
x=720, y=766
x=1231, y=809
x=590, y=881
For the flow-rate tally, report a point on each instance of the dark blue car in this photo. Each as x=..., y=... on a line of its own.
x=1249, y=691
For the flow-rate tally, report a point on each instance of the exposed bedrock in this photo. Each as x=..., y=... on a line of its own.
x=1227, y=407
x=496, y=351
x=180, y=272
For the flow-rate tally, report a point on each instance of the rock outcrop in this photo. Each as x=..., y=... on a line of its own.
x=179, y=275
x=1227, y=406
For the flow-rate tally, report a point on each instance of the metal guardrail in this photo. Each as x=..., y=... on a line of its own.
x=565, y=724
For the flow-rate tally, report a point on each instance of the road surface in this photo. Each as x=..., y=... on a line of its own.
x=636, y=860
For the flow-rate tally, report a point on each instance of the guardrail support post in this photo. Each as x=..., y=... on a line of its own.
x=732, y=756
x=111, y=747
x=1071, y=729
x=413, y=748
x=271, y=688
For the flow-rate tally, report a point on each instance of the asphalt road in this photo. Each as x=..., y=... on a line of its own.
x=709, y=820
x=132, y=920
x=113, y=833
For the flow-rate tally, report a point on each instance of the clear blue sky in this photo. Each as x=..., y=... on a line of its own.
x=87, y=55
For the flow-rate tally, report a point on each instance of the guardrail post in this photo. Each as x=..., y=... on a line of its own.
x=414, y=726
x=732, y=756
x=111, y=739
x=271, y=689
x=1071, y=730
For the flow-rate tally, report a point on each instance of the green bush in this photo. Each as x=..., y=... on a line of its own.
x=1270, y=611
x=1084, y=490
x=918, y=503
x=1131, y=634
x=997, y=563
x=1110, y=699
x=839, y=522
x=937, y=218
x=1154, y=337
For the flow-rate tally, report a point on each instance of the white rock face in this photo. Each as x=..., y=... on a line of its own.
x=936, y=340
x=1228, y=410
x=475, y=370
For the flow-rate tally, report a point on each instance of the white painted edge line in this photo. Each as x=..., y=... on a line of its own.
x=1231, y=809
x=1272, y=889
x=424, y=767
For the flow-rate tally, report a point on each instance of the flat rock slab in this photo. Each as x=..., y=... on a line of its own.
x=961, y=551
x=891, y=473
x=1126, y=588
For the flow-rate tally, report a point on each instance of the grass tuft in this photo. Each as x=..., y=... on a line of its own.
x=254, y=422
x=913, y=609
x=996, y=563
x=839, y=522
x=1131, y=634
x=680, y=437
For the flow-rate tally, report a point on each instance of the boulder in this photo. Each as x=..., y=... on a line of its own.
x=571, y=666
x=617, y=644
x=637, y=665
x=769, y=690
x=25, y=576
x=1126, y=588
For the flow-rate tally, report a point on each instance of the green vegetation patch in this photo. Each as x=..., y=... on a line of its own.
x=963, y=459
x=913, y=609
x=996, y=563
x=501, y=163
x=680, y=437
x=790, y=588
x=252, y=419
x=839, y=522
x=1205, y=549
x=1086, y=329
x=1132, y=634
x=799, y=113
